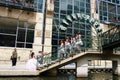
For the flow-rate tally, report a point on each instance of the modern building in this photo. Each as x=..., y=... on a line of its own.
x=34, y=25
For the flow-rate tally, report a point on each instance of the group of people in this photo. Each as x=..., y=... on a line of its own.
x=67, y=47
x=70, y=45
x=32, y=63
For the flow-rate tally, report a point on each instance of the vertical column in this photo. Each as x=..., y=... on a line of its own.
x=48, y=35
x=93, y=32
x=114, y=69
x=48, y=28
x=82, y=68
x=37, y=46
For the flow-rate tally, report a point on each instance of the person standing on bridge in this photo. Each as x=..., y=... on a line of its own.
x=73, y=44
x=79, y=42
x=39, y=58
x=61, y=51
x=67, y=47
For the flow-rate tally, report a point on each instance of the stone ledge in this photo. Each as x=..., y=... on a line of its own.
x=18, y=73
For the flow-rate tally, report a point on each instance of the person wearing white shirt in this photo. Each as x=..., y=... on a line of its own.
x=31, y=63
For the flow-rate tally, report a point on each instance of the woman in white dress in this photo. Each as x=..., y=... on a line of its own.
x=67, y=47
x=31, y=63
x=73, y=44
x=61, y=51
x=79, y=42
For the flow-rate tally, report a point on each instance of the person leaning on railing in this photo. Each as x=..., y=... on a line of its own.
x=73, y=44
x=67, y=47
x=61, y=51
x=79, y=42
x=39, y=58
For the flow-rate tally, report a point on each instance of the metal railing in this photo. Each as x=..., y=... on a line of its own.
x=51, y=58
x=111, y=36
x=29, y=5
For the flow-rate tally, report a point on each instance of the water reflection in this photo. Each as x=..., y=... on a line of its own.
x=59, y=77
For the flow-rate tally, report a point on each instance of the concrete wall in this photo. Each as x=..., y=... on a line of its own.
x=82, y=63
x=31, y=17
x=6, y=52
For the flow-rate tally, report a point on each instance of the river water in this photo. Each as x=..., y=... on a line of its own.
x=43, y=78
x=60, y=77
x=48, y=78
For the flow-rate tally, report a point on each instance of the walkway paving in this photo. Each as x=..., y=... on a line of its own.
x=19, y=70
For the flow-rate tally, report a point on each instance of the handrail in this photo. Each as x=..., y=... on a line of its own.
x=50, y=58
x=20, y=4
x=110, y=36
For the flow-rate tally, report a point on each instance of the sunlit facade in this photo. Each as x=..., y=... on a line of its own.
x=34, y=25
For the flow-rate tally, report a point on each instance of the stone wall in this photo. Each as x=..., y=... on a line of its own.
x=6, y=52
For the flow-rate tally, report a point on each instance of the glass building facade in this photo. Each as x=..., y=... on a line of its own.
x=22, y=33
x=29, y=5
x=109, y=10
x=16, y=33
x=67, y=7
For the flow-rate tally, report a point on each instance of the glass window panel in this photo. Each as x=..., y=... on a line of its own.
x=22, y=24
x=118, y=17
x=21, y=35
x=7, y=40
x=56, y=9
x=118, y=9
x=82, y=10
x=111, y=17
x=30, y=36
x=63, y=11
x=54, y=42
x=10, y=27
x=56, y=4
x=29, y=45
x=88, y=1
x=29, y=5
x=63, y=5
x=21, y=45
x=31, y=26
x=69, y=12
x=81, y=4
x=111, y=8
x=69, y=7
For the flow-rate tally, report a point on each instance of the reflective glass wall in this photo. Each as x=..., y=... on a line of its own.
x=109, y=10
x=15, y=33
x=66, y=7
x=29, y=5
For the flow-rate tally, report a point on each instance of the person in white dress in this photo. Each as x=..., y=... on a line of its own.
x=79, y=42
x=73, y=44
x=67, y=47
x=31, y=63
x=61, y=51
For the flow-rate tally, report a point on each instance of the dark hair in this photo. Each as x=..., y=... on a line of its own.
x=32, y=54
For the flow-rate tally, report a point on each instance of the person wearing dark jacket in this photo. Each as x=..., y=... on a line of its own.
x=14, y=57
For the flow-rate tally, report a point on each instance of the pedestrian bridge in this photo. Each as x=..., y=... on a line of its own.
x=102, y=42
x=55, y=64
x=109, y=39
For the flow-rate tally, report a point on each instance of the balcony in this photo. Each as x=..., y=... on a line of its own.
x=29, y=5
